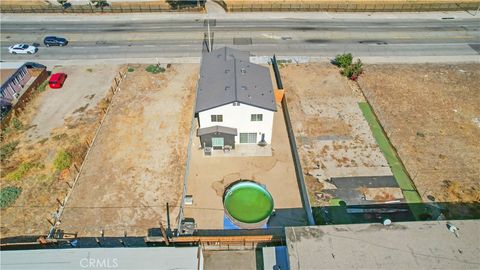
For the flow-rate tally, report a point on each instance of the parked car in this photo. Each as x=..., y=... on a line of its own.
x=57, y=80
x=22, y=48
x=54, y=41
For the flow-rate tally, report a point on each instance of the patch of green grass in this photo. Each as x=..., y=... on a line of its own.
x=399, y=172
x=6, y=150
x=16, y=123
x=63, y=160
x=130, y=69
x=155, y=69
x=19, y=172
x=42, y=86
x=90, y=69
x=9, y=195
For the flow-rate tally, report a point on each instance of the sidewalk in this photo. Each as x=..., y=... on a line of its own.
x=214, y=14
x=257, y=59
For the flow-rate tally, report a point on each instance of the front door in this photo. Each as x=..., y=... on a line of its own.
x=217, y=143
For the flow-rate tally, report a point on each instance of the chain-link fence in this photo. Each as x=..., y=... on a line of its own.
x=112, y=8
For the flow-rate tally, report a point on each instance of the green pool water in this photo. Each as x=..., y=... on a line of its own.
x=248, y=202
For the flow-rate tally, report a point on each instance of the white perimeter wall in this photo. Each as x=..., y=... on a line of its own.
x=239, y=117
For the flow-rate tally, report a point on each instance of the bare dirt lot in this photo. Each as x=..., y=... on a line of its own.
x=209, y=176
x=83, y=89
x=431, y=115
x=333, y=138
x=30, y=165
x=137, y=163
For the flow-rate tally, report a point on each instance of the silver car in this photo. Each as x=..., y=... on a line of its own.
x=22, y=48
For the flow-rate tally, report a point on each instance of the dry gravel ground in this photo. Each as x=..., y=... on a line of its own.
x=431, y=114
x=333, y=138
x=137, y=163
x=52, y=121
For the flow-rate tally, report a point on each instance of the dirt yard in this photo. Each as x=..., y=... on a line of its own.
x=137, y=163
x=55, y=120
x=209, y=176
x=431, y=113
x=333, y=138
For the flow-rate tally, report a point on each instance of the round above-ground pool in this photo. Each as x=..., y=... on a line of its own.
x=248, y=204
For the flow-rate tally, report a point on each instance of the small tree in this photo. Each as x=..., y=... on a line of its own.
x=343, y=60
x=64, y=4
x=99, y=3
x=353, y=71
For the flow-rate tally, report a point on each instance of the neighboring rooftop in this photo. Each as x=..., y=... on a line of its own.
x=409, y=245
x=102, y=258
x=5, y=74
x=227, y=76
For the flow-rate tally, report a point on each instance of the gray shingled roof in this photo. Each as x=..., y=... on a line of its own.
x=227, y=76
x=220, y=129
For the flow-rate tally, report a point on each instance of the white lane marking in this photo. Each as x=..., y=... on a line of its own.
x=271, y=36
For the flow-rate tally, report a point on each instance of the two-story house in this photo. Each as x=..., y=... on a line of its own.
x=235, y=100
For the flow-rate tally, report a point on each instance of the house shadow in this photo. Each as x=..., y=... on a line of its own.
x=398, y=212
x=288, y=217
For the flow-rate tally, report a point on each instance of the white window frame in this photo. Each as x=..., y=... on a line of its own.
x=257, y=117
x=251, y=136
x=216, y=118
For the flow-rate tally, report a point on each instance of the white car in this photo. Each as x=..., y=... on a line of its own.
x=22, y=48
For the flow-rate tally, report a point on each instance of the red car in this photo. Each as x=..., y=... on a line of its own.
x=57, y=80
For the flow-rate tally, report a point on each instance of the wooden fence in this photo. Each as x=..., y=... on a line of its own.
x=348, y=6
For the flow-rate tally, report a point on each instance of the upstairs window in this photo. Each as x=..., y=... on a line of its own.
x=256, y=117
x=217, y=118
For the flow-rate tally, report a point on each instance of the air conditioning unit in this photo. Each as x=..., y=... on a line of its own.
x=16, y=95
x=187, y=226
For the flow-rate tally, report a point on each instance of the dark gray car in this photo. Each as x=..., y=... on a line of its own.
x=54, y=41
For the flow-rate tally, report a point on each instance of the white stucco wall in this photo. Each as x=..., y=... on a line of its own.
x=239, y=117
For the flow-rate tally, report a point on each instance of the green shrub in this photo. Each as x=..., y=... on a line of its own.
x=90, y=69
x=17, y=124
x=343, y=60
x=6, y=150
x=19, y=172
x=155, y=69
x=9, y=195
x=354, y=70
x=42, y=86
x=63, y=160
x=130, y=69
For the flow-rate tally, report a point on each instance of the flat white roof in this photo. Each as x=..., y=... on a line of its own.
x=101, y=258
x=406, y=245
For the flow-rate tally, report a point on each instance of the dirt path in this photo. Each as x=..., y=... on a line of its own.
x=137, y=163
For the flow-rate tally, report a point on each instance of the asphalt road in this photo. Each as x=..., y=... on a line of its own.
x=288, y=37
